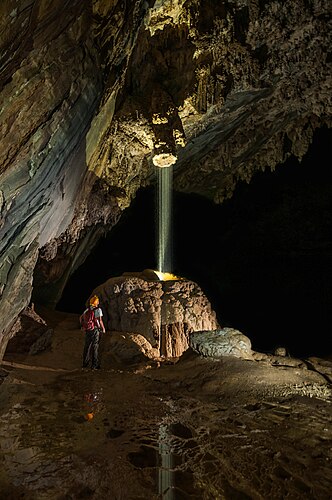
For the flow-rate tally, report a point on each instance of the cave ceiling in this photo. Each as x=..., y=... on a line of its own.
x=92, y=92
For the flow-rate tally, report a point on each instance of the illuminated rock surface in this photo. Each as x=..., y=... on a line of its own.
x=164, y=312
x=224, y=342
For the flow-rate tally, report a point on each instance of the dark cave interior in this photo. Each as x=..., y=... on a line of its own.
x=263, y=258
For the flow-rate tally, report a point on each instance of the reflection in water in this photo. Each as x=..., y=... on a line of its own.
x=178, y=451
x=93, y=400
x=166, y=474
x=47, y=446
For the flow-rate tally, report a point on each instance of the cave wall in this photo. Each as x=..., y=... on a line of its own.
x=54, y=112
x=91, y=91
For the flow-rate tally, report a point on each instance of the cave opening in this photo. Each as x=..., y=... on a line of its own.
x=263, y=258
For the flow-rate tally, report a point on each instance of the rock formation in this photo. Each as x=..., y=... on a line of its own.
x=92, y=91
x=30, y=334
x=165, y=313
x=219, y=343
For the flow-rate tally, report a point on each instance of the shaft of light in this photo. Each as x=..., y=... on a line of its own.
x=164, y=219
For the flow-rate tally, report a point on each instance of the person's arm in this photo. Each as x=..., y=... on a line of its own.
x=99, y=318
x=102, y=324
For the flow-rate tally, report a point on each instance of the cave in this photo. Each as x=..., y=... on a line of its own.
x=262, y=257
x=212, y=380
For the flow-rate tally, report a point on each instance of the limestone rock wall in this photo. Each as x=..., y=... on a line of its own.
x=56, y=108
x=90, y=91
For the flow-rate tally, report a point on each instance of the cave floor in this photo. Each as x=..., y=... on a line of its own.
x=188, y=429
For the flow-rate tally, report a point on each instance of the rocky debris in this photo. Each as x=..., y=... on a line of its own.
x=127, y=348
x=311, y=390
x=224, y=342
x=30, y=334
x=277, y=360
x=322, y=366
x=164, y=312
x=280, y=351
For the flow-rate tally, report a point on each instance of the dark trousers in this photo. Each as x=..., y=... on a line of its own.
x=91, y=347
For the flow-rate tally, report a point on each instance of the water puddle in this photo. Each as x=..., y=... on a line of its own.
x=113, y=436
x=51, y=439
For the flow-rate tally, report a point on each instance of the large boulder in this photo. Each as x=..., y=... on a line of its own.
x=30, y=334
x=164, y=312
x=127, y=348
x=222, y=342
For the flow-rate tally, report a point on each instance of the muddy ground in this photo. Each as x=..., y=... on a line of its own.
x=191, y=428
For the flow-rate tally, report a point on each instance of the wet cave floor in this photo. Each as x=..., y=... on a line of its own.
x=190, y=429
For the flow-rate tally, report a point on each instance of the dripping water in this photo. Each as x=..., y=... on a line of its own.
x=164, y=219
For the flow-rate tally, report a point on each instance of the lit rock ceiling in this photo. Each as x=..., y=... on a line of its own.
x=92, y=91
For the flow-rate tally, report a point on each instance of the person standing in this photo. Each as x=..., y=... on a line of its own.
x=91, y=322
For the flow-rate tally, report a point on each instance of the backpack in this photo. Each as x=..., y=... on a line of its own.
x=88, y=320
